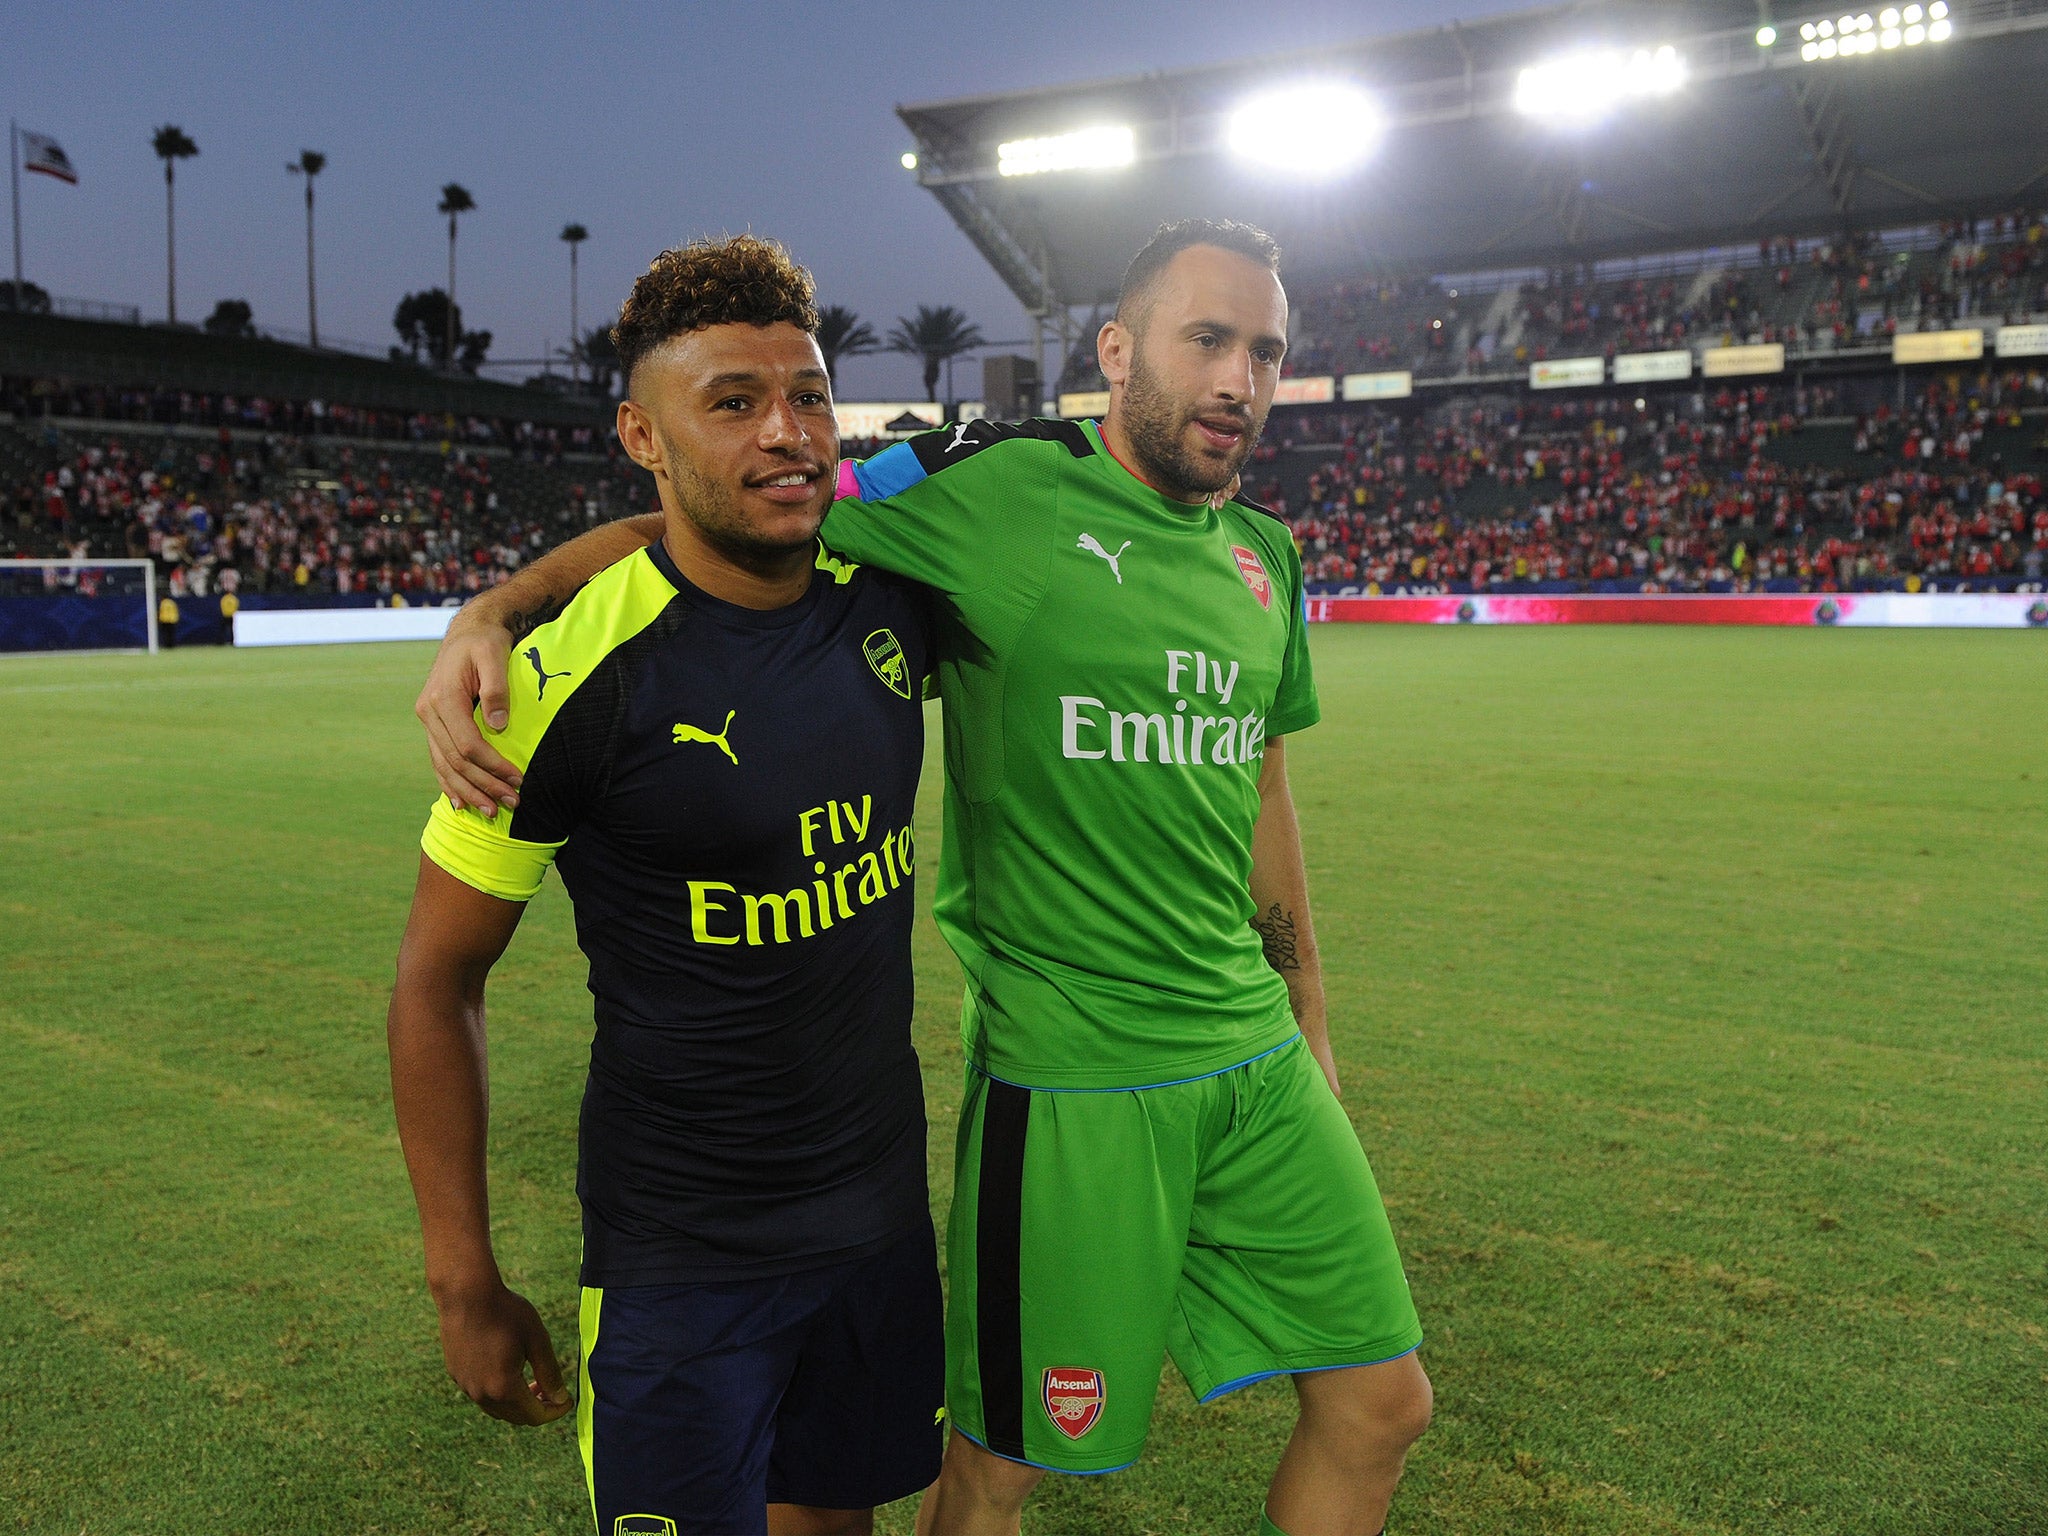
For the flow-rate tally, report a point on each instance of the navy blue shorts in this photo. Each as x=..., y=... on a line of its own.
x=702, y=1404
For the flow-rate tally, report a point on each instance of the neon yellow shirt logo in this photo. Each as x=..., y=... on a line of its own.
x=698, y=733
x=885, y=656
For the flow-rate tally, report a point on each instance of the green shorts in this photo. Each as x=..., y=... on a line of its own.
x=1231, y=1220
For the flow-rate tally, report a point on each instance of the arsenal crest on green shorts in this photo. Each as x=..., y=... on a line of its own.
x=885, y=655
x=1073, y=1399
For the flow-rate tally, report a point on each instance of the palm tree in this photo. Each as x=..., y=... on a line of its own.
x=309, y=164
x=171, y=144
x=842, y=333
x=575, y=234
x=455, y=199
x=601, y=357
x=938, y=333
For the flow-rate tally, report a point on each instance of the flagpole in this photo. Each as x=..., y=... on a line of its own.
x=14, y=182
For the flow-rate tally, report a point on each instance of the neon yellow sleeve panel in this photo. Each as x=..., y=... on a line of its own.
x=481, y=851
x=475, y=850
x=619, y=602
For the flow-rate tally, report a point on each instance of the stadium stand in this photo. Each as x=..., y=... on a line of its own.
x=314, y=515
x=1839, y=211
x=1776, y=202
x=274, y=504
x=1763, y=488
x=1818, y=296
x=1830, y=487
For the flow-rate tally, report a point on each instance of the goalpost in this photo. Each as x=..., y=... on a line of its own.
x=77, y=605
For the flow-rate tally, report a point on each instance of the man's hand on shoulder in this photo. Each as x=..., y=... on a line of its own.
x=488, y=1340
x=469, y=667
x=1218, y=500
x=472, y=660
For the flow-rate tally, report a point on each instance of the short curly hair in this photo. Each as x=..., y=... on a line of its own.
x=743, y=280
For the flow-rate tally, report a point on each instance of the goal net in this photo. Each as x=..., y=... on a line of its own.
x=78, y=605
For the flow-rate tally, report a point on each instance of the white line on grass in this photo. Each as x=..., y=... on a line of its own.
x=291, y=680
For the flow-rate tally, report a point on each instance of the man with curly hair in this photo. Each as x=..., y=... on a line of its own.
x=720, y=740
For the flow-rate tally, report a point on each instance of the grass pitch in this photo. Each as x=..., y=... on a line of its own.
x=1687, y=984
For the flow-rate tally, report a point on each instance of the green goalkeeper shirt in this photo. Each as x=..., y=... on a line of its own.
x=1112, y=663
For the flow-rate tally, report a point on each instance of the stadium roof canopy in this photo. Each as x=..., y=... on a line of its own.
x=1757, y=142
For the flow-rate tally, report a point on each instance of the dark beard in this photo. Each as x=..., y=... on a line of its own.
x=1153, y=424
x=710, y=509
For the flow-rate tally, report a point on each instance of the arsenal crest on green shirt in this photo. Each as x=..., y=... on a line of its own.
x=885, y=655
x=1254, y=574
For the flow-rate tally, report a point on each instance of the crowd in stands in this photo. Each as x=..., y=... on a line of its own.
x=238, y=512
x=1813, y=295
x=1733, y=490
x=1766, y=486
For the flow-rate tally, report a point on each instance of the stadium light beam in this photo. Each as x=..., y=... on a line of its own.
x=1314, y=128
x=1586, y=87
x=1085, y=149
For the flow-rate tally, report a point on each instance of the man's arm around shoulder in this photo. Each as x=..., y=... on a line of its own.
x=470, y=666
x=440, y=1089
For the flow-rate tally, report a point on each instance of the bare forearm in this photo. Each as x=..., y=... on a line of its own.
x=1288, y=936
x=535, y=594
x=1285, y=929
x=439, y=1086
x=1279, y=890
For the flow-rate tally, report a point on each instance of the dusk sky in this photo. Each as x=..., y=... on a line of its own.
x=649, y=124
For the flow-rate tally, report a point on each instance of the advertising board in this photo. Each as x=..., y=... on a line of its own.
x=1379, y=386
x=1652, y=367
x=1731, y=362
x=1848, y=610
x=2023, y=341
x=1567, y=372
x=1938, y=346
x=1320, y=390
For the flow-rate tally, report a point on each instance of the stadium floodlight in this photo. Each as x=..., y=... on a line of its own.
x=1587, y=86
x=1085, y=149
x=1311, y=128
x=909, y=161
x=1893, y=27
x=1766, y=36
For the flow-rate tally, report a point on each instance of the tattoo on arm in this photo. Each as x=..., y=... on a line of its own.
x=1276, y=932
x=523, y=624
